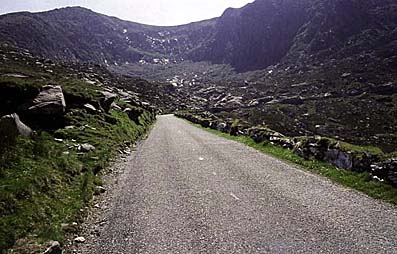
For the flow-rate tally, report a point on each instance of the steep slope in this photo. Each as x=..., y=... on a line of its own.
x=263, y=33
x=255, y=36
x=76, y=33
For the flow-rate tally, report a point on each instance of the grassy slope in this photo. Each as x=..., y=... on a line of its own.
x=358, y=181
x=45, y=183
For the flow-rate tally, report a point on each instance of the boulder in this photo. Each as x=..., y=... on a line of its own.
x=116, y=107
x=50, y=101
x=205, y=123
x=386, y=171
x=362, y=161
x=222, y=127
x=385, y=89
x=134, y=114
x=87, y=148
x=54, y=247
x=90, y=108
x=106, y=100
x=11, y=126
x=99, y=190
x=339, y=158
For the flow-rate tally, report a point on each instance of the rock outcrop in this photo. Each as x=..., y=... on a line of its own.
x=49, y=102
x=134, y=114
x=107, y=100
x=11, y=127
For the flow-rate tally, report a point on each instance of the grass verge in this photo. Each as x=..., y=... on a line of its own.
x=46, y=182
x=354, y=180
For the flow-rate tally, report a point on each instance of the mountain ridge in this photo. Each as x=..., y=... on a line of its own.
x=261, y=34
x=294, y=65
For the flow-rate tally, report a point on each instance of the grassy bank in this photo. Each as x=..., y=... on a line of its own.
x=45, y=182
x=357, y=181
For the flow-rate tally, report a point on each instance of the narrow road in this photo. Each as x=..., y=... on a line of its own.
x=189, y=191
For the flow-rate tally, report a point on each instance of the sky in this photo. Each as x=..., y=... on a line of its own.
x=152, y=12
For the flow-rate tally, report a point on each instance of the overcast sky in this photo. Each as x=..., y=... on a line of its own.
x=153, y=12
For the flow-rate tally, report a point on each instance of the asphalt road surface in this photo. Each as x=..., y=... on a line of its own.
x=189, y=191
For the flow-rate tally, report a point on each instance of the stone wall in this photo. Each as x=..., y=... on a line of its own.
x=334, y=152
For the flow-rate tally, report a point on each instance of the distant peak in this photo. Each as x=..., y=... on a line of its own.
x=73, y=8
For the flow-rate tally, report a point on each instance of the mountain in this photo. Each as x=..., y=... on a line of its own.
x=326, y=67
x=254, y=37
x=78, y=34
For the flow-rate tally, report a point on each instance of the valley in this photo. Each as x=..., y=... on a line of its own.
x=313, y=80
x=318, y=77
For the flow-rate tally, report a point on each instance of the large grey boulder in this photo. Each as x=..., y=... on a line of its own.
x=11, y=127
x=339, y=158
x=50, y=101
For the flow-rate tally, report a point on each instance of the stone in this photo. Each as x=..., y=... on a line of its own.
x=90, y=108
x=107, y=100
x=362, y=162
x=87, y=147
x=346, y=74
x=50, y=101
x=79, y=239
x=221, y=127
x=386, y=171
x=339, y=158
x=116, y=107
x=99, y=190
x=54, y=247
x=11, y=127
x=134, y=114
x=385, y=89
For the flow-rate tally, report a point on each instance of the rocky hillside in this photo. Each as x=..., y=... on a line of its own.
x=78, y=34
x=254, y=37
x=341, y=65
x=304, y=67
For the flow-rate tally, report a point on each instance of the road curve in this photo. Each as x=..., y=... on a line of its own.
x=189, y=191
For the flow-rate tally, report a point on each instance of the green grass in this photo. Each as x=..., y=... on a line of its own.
x=357, y=181
x=44, y=183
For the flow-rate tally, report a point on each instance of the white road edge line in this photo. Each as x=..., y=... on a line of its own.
x=234, y=196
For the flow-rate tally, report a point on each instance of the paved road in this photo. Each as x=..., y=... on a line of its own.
x=189, y=191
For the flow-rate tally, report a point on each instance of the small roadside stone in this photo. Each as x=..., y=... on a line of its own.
x=79, y=239
x=54, y=247
x=99, y=190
